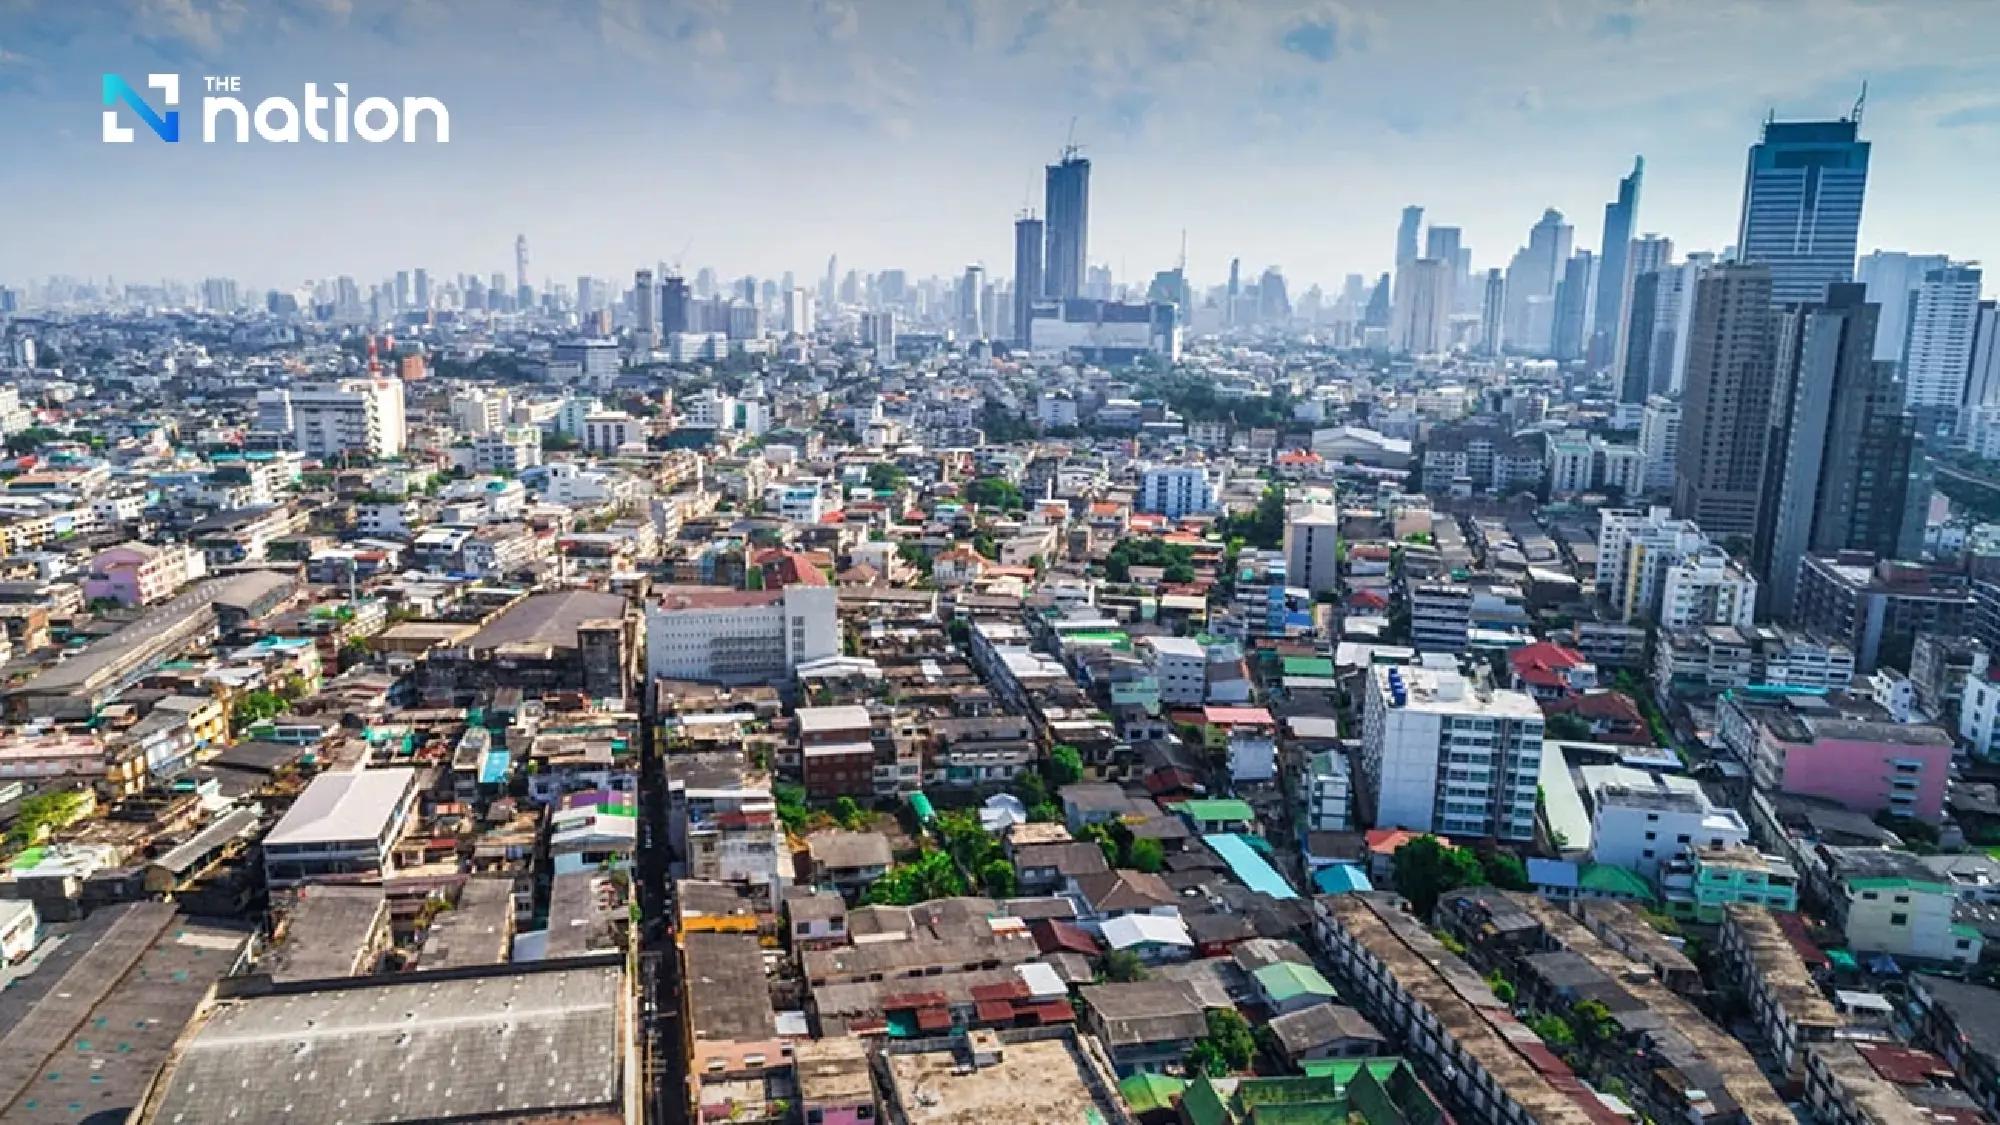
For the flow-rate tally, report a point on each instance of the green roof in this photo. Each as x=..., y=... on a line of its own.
x=1344, y=1070
x=1289, y=980
x=1219, y=808
x=1148, y=1092
x=1308, y=666
x=1606, y=879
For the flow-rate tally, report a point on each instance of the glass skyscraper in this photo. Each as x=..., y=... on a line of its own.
x=1802, y=205
x=1068, y=217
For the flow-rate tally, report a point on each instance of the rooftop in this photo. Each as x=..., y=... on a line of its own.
x=547, y=620
x=344, y=806
x=1052, y=1080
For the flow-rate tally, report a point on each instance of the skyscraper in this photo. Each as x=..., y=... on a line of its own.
x=524, y=294
x=1532, y=277
x=1840, y=447
x=1067, y=212
x=423, y=289
x=674, y=305
x=1725, y=423
x=645, y=309
x=1572, y=311
x=1802, y=199
x=1614, y=276
x=1027, y=273
x=1645, y=255
x=971, y=295
x=1442, y=243
x=1635, y=373
x=1406, y=235
x=1982, y=384
x=1937, y=347
x=1491, y=311
x=1892, y=276
x=1422, y=307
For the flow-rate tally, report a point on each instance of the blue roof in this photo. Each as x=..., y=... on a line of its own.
x=1341, y=879
x=1248, y=866
x=1552, y=873
x=494, y=766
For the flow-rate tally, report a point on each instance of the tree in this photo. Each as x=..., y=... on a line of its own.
x=886, y=477
x=1228, y=1047
x=994, y=492
x=1114, y=839
x=1264, y=526
x=1176, y=559
x=997, y=876
x=1146, y=855
x=1065, y=765
x=933, y=875
x=1553, y=1029
x=850, y=814
x=1506, y=871
x=1426, y=868
x=1566, y=727
x=555, y=441
x=1122, y=966
x=791, y=800
x=1031, y=788
x=255, y=707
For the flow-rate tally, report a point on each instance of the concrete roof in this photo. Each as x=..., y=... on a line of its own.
x=548, y=619
x=343, y=806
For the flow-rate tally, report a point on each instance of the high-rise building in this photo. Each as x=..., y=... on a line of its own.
x=1532, y=277
x=1621, y=218
x=402, y=290
x=674, y=307
x=971, y=295
x=1938, y=346
x=423, y=289
x=878, y=331
x=798, y=312
x=1635, y=369
x=1067, y=213
x=1659, y=442
x=645, y=309
x=1802, y=196
x=1982, y=383
x=1572, y=310
x=1274, y=304
x=1492, y=312
x=1650, y=254
x=1443, y=243
x=524, y=294
x=1841, y=448
x=1892, y=278
x=1442, y=754
x=1726, y=416
x=1027, y=273
x=1406, y=235
x=363, y=416
x=1422, y=307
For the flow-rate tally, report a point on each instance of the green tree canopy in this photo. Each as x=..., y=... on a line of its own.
x=1146, y=855
x=994, y=492
x=1065, y=765
x=1426, y=868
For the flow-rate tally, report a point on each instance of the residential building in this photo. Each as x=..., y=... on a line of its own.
x=1887, y=901
x=1700, y=886
x=1634, y=551
x=341, y=825
x=1176, y=490
x=1877, y=609
x=739, y=636
x=1328, y=793
x=1726, y=410
x=1312, y=551
x=1785, y=1002
x=1839, y=749
x=351, y=416
x=1642, y=820
x=1441, y=754
x=1706, y=587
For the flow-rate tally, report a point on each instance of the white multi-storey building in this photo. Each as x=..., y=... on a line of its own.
x=739, y=636
x=1180, y=667
x=1634, y=550
x=479, y=411
x=1659, y=442
x=1706, y=587
x=353, y=416
x=1640, y=819
x=1937, y=348
x=1312, y=537
x=507, y=450
x=1176, y=490
x=612, y=431
x=1442, y=754
x=1328, y=793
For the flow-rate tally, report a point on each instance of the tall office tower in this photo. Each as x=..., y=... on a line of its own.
x=524, y=294
x=1274, y=304
x=1532, y=276
x=1027, y=273
x=1098, y=284
x=1235, y=290
x=1802, y=205
x=829, y=290
x=1642, y=306
x=1725, y=420
x=1442, y=243
x=1982, y=381
x=878, y=330
x=422, y=295
x=402, y=290
x=1667, y=370
x=1421, y=309
x=1377, y=313
x=1614, y=281
x=971, y=291
x=218, y=294
x=799, y=311
x=1659, y=442
x=1839, y=446
x=674, y=306
x=645, y=309
x=1572, y=312
x=583, y=296
x=1937, y=347
x=1406, y=235
x=1492, y=310
x=1892, y=278
x=1648, y=254
x=1066, y=210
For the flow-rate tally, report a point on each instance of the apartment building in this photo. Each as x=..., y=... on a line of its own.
x=739, y=636
x=1442, y=754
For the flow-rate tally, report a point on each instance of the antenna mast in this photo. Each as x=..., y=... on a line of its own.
x=1860, y=103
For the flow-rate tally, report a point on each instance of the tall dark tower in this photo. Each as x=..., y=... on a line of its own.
x=1067, y=212
x=1802, y=199
x=673, y=304
x=1027, y=273
x=1726, y=413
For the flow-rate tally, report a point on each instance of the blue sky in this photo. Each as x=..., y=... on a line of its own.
x=766, y=134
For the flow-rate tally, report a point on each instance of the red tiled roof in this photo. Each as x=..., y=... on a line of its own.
x=1009, y=990
x=1047, y=1012
x=933, y=1019
x=1542, y=663
x=993, y=1011
x=1905, y=1066
x=1238, y=716
x=1385, y=841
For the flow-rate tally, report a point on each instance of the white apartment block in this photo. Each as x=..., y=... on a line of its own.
x=1442, y=754
x=1180, y=665
x=355, y=416
x=507, y=450
x=739, y=636
x=1659, y=442
x=1329, y=793
x=1635, y=548
x=611, y=431
x=1640, y=820
x=480, y=411
x=1176, y=490
x=1706, y=588
x=1979, y=716
x=1312, y=537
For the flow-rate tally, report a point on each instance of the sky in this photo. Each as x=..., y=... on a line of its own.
x=759, y=136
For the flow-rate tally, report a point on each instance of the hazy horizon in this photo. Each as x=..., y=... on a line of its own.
x=764, y=137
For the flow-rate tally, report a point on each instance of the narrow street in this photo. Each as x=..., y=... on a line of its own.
x=659, y=965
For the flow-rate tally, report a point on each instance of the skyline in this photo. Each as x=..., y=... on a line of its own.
x=910, y=135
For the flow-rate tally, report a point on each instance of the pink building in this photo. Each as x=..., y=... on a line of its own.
x=136, y=574
x=1815, y=747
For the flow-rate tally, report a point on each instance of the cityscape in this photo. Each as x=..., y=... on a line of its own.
x=946, y=658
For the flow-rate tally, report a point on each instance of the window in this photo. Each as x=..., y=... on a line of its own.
x=1899, y=919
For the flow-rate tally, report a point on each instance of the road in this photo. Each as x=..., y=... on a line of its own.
x=659, y=963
